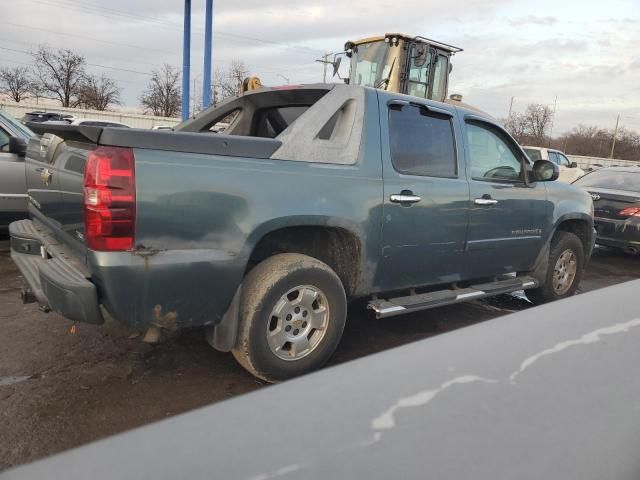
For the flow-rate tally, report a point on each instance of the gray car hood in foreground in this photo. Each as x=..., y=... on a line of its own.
x=549, y=393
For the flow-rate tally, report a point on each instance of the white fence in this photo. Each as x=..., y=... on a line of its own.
x=18, y=110
x=592, y=163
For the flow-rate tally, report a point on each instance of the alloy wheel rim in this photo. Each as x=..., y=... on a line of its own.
x=564, y=272
x=298, y=322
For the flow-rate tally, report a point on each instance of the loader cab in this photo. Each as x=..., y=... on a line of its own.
x=415, y=66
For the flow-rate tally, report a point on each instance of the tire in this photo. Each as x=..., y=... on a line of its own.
x=271, y=293
x=561, y=243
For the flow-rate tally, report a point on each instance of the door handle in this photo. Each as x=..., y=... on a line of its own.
x=485, y=201
x=404, y=198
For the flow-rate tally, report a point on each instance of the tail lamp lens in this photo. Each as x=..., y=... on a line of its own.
x=630, y=212
x=110, y=199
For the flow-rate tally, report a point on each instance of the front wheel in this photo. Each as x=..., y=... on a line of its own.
x=564, y=272
x=292, y=314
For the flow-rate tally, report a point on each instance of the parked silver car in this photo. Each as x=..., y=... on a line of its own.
x=13, y=191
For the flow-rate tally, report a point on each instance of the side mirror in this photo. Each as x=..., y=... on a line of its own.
x=573, y=165
x=18, y=146
x=336, y=65
x=545, y=171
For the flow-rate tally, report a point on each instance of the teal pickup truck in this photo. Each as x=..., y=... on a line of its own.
x=313, y=196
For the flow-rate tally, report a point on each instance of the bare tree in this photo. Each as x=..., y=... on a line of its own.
x=162, y=96
x=60, y=73
x=229, y=82
x=98, y=93
x=515, y=125
x=16, y=82
x=593, y=141
x=537, y=120
x=37, y=91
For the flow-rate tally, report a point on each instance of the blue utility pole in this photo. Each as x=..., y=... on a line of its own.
x=208, y=43
x=186, y=59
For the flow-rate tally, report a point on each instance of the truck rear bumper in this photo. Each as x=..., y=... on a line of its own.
x=57, y=280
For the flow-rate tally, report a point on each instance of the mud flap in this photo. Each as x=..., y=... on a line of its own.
x=539, y=271
x=223, y=336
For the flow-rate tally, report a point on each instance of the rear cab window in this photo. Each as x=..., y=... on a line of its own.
x=422, y=141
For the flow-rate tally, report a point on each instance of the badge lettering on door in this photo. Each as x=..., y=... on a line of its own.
x=530, y=231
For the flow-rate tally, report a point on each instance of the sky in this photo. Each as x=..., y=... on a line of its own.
x=582, y=52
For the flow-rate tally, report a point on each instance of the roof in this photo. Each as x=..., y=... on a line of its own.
x=380, y=38
x=548, y=149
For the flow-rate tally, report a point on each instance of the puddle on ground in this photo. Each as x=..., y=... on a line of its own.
x=4, y=381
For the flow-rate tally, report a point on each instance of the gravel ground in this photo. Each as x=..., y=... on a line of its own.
x=59, y=390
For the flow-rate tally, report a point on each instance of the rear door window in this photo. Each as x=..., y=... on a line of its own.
x=421, y=142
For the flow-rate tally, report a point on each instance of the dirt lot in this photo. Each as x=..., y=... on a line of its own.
x=59, y=390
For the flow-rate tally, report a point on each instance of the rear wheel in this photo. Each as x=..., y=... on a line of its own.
x=564, y=272
x=292, y=314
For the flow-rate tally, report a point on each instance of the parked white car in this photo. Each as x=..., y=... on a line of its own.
x=569, y=171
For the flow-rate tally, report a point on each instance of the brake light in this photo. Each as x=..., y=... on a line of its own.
x=630, y=212
x=110, y=199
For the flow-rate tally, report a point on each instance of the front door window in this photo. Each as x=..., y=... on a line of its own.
x=490, y=156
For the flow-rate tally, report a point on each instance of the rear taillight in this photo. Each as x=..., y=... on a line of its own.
x=630, y=212
x=110, y=199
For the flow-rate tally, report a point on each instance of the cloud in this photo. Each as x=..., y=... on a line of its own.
x=533, y=20
x=589, y=62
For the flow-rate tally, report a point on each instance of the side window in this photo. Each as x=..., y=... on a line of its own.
x=492, y=155
x=421, y=142
x=553, y=157
x=562, y=160
x=419, y=74
x=4, y=140
x=441, y=72
x=534, y=155
x=75, y=163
